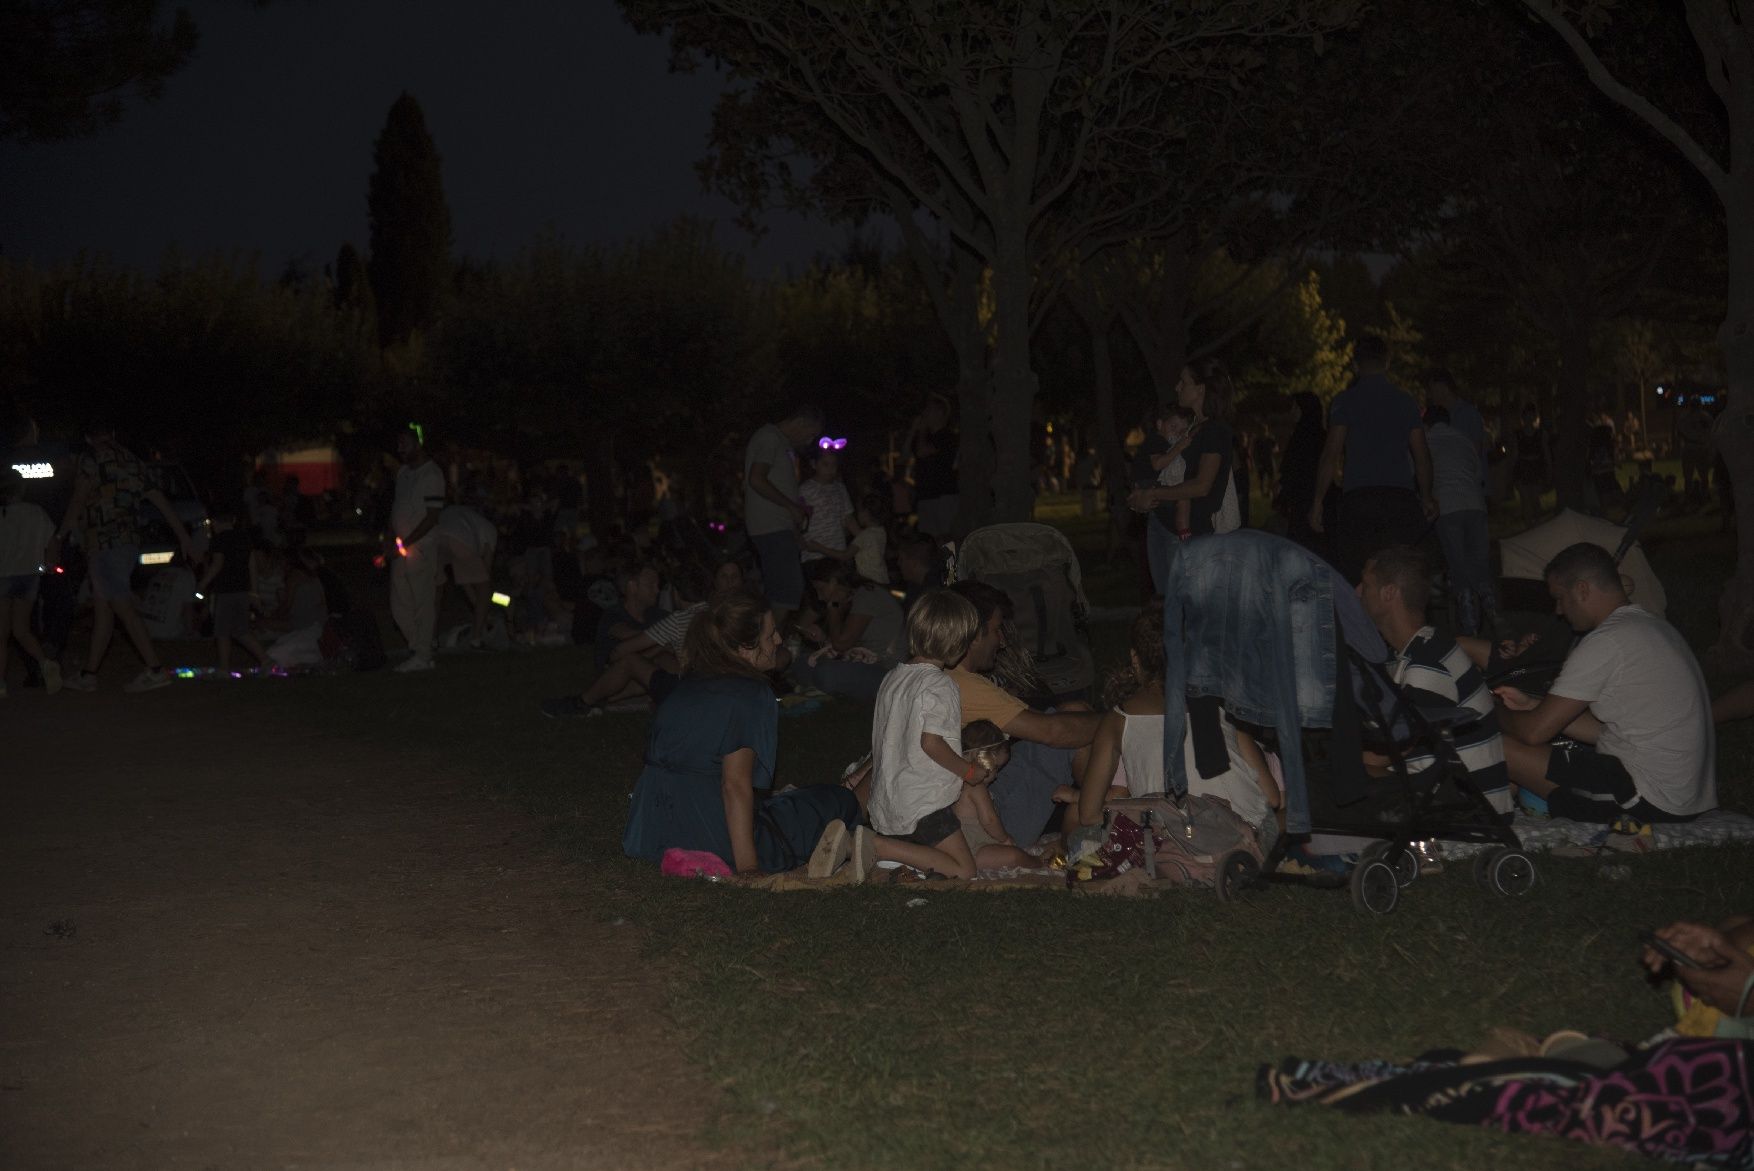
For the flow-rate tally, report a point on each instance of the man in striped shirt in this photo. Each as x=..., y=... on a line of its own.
x=1432, y=670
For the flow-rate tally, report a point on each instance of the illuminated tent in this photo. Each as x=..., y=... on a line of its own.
x=317, y=466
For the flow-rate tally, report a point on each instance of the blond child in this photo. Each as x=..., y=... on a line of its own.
x=918, y=771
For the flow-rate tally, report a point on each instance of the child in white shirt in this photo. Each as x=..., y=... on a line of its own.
x=830, y=506
x=918, y=772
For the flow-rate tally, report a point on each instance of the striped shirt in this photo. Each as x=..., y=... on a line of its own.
x=1434, y=673
x=669, y=630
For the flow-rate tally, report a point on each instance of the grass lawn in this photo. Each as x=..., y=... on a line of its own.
x=1047, y=1030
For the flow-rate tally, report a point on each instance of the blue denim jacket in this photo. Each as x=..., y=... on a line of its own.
x=1249, y=618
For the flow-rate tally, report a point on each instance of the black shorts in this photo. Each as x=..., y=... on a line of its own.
x=935, y=827
x=1595, y=787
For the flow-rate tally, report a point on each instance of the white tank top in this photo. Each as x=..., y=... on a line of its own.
x=1142, y=754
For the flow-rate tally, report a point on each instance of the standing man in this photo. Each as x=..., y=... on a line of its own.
x=413, y=550
x=1463, y=415
x=772, y=510
x=109, y=484
x=1376, y=442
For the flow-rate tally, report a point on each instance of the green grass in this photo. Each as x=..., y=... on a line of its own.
x=1046, y=1029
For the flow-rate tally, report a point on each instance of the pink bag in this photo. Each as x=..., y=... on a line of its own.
x=693, y=864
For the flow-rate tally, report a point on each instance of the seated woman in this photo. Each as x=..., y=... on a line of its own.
x=711, y=751
x=859, y=629
x=1131, y=736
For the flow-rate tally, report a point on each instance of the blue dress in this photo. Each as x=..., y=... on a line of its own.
x=678, y=802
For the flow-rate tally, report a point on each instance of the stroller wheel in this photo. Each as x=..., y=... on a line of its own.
x=1511, y=874
x=1237, y=873
x=1406, y=867
x=1375, y=887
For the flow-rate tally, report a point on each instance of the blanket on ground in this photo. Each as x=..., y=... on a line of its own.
x=1716, y=828
x=1686, y=1100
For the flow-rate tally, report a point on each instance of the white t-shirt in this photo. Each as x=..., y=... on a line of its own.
x=1642, y=682
x=769, y=446
x=1142, y=753
x=417, y=489
x=829, y=508
x=1455, y=470
x=25, y=531
x=906, y=784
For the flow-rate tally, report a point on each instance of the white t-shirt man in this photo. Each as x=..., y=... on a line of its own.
x=419, y=487
x=1642, y=682
x=769, y=446
x=1455, y=470
x=906, y=784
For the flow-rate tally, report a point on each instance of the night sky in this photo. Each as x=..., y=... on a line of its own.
x=546, y=115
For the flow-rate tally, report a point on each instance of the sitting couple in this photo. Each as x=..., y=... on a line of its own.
x=1625, y=733
x=713, y=745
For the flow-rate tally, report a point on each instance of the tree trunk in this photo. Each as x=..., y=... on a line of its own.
x=1734, y=432
x=1571, y=452
x=600, y=483
x=1014, y=379
x=1108, y=440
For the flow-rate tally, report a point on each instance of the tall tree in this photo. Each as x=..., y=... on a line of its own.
x=67, y=67
x=1723, y=33
x=410, y=225
x=985, y=117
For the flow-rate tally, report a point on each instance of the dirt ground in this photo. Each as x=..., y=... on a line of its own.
x=273, y=954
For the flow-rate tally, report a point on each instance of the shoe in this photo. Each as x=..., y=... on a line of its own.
x=150, y=679
x=864, y=856
x=51, y=676
x=83, y=681
x=417, y=663
x=568, y=706
x=830, y=852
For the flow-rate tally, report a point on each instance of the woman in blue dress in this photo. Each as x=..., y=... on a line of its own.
x=710, y=756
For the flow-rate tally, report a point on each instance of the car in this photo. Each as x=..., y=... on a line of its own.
x=158, y=545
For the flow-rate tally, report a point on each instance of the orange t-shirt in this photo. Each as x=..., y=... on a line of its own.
x=982, y=699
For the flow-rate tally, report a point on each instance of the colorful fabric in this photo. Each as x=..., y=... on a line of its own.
x=112, y=511
x=1686, y=1100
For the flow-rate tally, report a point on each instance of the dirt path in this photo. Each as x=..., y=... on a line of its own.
x=287, y=956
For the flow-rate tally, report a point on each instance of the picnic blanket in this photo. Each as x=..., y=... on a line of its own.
x=1558, y=835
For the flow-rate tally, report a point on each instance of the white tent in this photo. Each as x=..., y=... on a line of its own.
x=1526, y=555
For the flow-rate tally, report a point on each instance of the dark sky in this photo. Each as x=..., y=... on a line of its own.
x=546, y=114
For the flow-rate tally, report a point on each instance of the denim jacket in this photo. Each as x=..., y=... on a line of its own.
x=1250, y=618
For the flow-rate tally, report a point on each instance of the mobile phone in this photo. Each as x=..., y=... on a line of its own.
x=1668, y=951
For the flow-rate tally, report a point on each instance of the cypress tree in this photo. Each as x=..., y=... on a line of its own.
x=410, y=265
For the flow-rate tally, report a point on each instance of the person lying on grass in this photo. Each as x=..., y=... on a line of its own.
x=711, y=751
x=918, y=772
x=1131, y=738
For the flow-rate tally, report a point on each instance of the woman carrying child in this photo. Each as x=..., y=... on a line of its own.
x=1209, y=455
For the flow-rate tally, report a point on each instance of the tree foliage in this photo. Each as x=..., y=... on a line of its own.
x=68, y=67
x=410, y=261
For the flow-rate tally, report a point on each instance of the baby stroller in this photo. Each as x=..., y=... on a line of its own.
x=1036, y=568
x=1278, y=639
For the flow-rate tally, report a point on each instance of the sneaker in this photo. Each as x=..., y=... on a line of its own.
x=568, y=706
x=831, y=851
x=417, y=663
x=83, y=681
x=864, y=854
x=51, y=676
x=150, y=679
